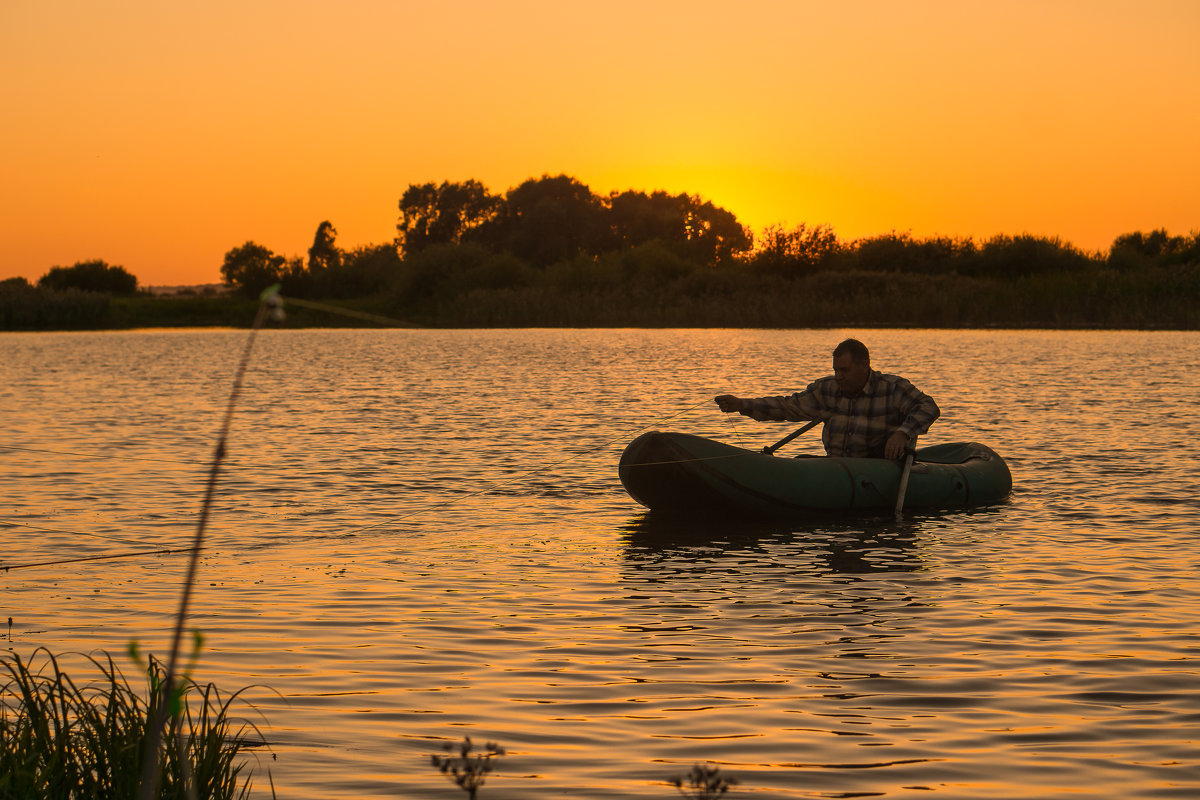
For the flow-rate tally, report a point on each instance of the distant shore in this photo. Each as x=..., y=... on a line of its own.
x=1161, y=299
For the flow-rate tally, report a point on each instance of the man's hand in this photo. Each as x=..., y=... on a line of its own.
x=897, y=443
x=728, y=403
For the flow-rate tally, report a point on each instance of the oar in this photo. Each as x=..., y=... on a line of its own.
x=771, y=450
x=908, y=462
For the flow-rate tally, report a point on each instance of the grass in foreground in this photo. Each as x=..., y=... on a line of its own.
x=61, y=739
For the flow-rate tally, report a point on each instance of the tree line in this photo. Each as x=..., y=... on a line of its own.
x=465, y=255
x=543, y=221
x=556, y=224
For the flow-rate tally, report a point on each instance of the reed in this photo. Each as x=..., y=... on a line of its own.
x=146, y=311
x=26, y=307
x=1154, y=298
x=62, y=739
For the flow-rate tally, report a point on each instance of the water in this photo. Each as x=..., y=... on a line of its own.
x=420, y=535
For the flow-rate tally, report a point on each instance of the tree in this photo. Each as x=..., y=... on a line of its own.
x=446, y=214
x=900, y=252
x=91, y=276
x=17, y=284
x=638, y=218
x=690, y=226
x=795, y=252
x=713, y=233
x=1156, y=247
x=548, y=219
x=251, y=268
x=324, y=256
x=366, y=269
x=1017, y=256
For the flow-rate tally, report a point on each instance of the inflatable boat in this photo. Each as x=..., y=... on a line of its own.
x=686, y=474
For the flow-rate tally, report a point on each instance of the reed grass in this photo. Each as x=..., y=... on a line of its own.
x=1156, y=298
x=146, y=311
x=659, y=293
x=25, y=307
x=62, y=740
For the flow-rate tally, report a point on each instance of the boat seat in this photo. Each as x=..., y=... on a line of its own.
x=953, y=453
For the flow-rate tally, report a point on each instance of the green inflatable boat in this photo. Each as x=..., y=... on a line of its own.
x=681, y=473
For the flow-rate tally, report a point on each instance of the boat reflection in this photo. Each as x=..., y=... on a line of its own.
x=842, y=545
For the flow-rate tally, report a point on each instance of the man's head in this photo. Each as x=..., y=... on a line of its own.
x=851, y=366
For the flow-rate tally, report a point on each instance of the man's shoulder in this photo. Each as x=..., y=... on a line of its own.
x=825, y=384
x=887, y=381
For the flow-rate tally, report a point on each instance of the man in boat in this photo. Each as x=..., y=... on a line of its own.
x=867, y=414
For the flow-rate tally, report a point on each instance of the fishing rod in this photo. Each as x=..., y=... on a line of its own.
x=270, y=305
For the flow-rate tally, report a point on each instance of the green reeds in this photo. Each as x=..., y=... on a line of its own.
x=25, y=307
x=62, y=739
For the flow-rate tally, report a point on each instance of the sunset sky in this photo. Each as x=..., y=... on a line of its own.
x=159, y=135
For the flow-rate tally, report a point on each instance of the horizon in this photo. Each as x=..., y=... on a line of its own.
x=159, y=138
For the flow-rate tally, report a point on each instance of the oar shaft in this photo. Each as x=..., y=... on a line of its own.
x=908, y=462
x=771, y=450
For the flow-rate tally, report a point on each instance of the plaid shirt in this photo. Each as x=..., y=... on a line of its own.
x=855, y=425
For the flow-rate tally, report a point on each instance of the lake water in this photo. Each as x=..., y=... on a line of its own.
x=420, y=535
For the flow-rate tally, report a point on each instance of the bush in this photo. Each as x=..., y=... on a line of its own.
x=441, y=272
x=364, y=270
x=900, y=252
x=90, y=276
x=1016, y=256
x=1141, y=250
x=795, y=253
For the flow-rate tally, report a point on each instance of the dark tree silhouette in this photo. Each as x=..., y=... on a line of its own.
x=1157, y=247
x=445, y=214
x=17, y=284
x=796, y=252
x=92, y=276
x=714, y=234
x=638, y=218
x=324, y=256
x=366, y=270
x=251, y=268
x=548, y=219
x=691, y=227
x=1011, y=256
x=900, y=252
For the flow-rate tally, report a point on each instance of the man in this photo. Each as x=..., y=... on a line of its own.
x=867, y=414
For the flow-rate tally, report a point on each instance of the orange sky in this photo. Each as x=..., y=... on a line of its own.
x=159, y=135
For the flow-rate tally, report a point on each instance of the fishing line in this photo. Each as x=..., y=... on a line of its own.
x=347, y=312
x=684, y=460
x=71, y=532
x=732, y=425
x=98, y=455
x=113, y=556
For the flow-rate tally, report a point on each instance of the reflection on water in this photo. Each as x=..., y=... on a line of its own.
x=420, y=535
x=871, y=544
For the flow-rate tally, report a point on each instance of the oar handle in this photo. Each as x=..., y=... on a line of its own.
x=904, y=473
x=771, y=450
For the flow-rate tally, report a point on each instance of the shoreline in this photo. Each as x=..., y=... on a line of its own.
x=1161, y=300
